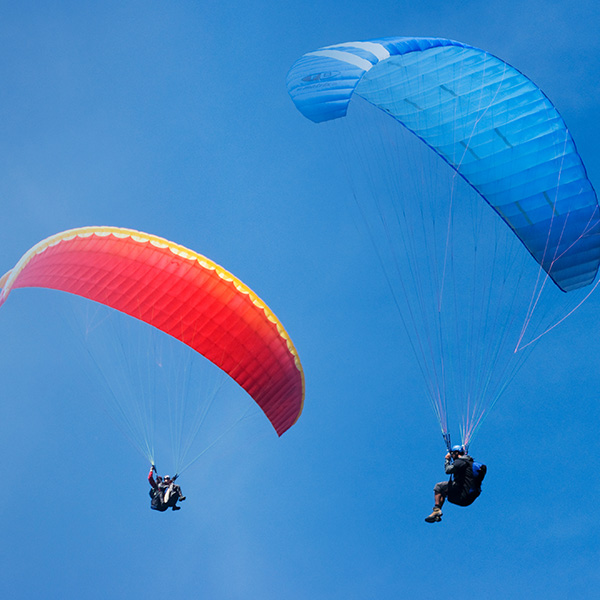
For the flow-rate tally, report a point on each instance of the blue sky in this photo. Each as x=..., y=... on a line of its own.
x=173, y=118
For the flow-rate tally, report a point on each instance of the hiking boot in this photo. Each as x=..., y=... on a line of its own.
x=177, y=508
x=435, y=516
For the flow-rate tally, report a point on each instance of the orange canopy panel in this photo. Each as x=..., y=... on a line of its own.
x=181, y=293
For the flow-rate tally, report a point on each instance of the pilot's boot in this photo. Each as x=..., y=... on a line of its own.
x=435, y=516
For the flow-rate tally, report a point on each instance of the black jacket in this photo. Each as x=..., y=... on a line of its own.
x=462, y=487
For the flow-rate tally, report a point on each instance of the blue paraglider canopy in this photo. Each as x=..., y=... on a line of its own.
x=492, y=124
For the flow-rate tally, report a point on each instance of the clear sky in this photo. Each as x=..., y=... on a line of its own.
x=173, y=118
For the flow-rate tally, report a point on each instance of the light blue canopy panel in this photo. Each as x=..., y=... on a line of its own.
x=487, y=120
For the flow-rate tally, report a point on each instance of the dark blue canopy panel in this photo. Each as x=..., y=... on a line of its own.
x=488, y=121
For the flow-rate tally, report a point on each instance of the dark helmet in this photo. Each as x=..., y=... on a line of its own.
x=458, y=449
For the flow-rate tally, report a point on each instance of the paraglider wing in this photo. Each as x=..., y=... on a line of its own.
x=488, y=121
x=181, y=293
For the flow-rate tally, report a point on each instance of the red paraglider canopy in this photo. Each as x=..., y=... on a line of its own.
x=181, y=293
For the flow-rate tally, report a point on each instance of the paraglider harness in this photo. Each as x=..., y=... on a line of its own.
x=156, y=502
